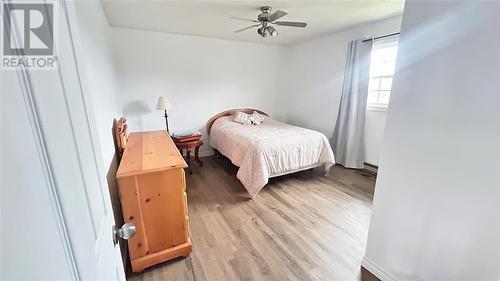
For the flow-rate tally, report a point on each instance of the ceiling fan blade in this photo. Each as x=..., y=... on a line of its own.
x=276, y=15
x=245, y=28
x=291, y=23
x=236, y=18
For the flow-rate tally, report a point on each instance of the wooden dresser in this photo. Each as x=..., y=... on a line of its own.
x=153, y=197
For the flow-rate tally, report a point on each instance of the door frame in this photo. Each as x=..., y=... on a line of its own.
x=33, y=113
x=75, y=36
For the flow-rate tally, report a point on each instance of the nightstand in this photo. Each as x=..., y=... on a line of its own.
x=188, y=147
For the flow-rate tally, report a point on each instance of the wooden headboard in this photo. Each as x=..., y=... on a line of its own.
x=121, y=135
x=231, y=112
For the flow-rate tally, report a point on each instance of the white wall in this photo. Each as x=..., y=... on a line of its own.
x=316, y=77
x=200, y=76
x=98, y=71
x=437, y=198
x=203, y=76
x=374, y=134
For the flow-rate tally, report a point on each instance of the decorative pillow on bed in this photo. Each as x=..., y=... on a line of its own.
x=261, y=116
x=256, y=118
x=242, y=118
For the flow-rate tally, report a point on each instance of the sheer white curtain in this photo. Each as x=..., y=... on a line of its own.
x=349, y=134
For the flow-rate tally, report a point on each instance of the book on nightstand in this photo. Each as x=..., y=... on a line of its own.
x=186, y=136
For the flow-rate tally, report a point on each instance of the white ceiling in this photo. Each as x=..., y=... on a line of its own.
x=211, y=18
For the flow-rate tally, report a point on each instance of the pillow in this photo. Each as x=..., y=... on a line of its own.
x=242, y=118
x=256, y=118
x=261, y=116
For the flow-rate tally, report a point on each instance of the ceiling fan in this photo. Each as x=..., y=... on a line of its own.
x=266, y=20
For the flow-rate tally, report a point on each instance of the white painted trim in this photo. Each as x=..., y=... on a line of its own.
x=41, y=147
x=73, y=30
x=376, y=270
x=99, y=161
x=47, y=168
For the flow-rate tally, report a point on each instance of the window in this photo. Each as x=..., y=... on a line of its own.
x=382, y=64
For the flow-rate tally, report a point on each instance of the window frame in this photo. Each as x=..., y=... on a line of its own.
x=390, y=40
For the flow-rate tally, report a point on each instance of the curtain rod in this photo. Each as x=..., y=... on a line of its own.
x=380, y=37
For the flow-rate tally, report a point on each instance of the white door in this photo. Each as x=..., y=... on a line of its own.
x=64, y=180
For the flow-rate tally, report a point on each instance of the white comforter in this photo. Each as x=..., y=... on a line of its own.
x=273, y=148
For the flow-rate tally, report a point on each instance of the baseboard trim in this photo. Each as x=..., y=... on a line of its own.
x=376, y=270
x=205, y=153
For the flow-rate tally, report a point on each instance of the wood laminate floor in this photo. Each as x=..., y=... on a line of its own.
x=300, y=227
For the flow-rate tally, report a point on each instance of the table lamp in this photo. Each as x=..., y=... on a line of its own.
x=164, y=104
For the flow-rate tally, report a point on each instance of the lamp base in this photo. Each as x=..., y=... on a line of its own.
x=166, y=121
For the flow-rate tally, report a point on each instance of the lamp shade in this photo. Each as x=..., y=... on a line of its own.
x=163, y=103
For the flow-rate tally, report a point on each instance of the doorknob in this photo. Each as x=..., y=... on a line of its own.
x=125, y=232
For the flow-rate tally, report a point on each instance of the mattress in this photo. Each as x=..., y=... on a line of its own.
x=273, y=148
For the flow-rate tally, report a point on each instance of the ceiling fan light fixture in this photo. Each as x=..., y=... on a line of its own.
x=266, y=19
x=262, y=31
x=272, y=31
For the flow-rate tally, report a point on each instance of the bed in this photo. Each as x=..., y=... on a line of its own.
x=268, y=150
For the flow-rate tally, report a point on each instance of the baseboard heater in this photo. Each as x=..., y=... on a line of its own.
x=371, y=168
